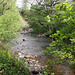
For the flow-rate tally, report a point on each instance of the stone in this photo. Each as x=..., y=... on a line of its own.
x=34, y=56
x=31, y=68
x=24, y=39
x=27, y=56
x=30, y=62
x=27, y=59
x=42, y=67
x=25, y=62
x=21, y=56
x=31, y=65
x=33, y=60
x=37, y=69
x=36, y=65
x=37, y=61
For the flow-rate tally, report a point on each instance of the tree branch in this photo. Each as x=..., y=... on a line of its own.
x=30, y=3
x=2, y=2
x=43, y=25
x=3, y=8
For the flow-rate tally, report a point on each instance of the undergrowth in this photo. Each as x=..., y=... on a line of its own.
x=10, y=65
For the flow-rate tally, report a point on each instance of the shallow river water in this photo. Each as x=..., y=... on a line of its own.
x=29, y=44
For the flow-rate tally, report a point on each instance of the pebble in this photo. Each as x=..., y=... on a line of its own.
x=37, y=61
x=21, y=56
x=27, y=59
x=33, y=60
x=31, y=63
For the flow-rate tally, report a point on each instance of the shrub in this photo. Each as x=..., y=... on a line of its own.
x=63, y=45
x=10, y=65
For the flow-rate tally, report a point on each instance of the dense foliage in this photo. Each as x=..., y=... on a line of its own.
x=9, y=24
x=10, y=65
x=36, y=19
x=37, y=13
x=63, y=45
x=9, y=19
x=60, y=23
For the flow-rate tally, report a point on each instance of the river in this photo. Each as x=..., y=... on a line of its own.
x=30, y=44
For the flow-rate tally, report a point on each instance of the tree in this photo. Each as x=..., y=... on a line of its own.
x=63, y=45
x=6, y=5
x=9, y=19
x=38, y=11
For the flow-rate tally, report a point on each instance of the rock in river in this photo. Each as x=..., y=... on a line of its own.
x=24, y=39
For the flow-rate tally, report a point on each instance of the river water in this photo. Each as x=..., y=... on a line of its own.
x=29, y=44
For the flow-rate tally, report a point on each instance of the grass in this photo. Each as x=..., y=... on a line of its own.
x=10, y=65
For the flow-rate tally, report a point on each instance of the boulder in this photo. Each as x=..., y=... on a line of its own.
x=24, y=39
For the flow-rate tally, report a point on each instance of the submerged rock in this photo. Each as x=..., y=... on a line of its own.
x=17, y=42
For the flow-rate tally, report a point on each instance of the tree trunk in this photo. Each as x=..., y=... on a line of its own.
x=3, y=8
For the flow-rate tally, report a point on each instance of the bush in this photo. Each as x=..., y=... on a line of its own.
x=35, y=18
x=10, y=65
x=63, y=45
x=9, y=23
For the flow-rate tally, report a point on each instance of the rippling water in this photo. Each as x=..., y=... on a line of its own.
x=32, y=45
x=35, y=45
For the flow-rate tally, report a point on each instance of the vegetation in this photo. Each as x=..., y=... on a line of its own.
x=9, y=24
x=58, y=21
x=35, y=16
x=36, y=19
x=9, y=19
x=62, y=47
x=10, y=65
x=50, y=17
